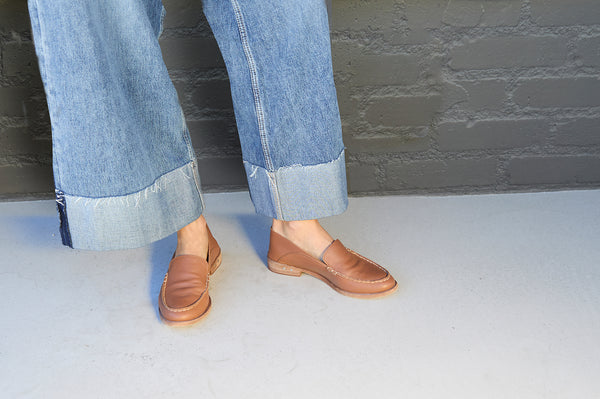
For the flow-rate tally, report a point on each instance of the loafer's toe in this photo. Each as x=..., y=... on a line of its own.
x=183, y=297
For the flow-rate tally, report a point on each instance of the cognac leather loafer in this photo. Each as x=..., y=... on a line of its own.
x=183, y=297
x=343, y=269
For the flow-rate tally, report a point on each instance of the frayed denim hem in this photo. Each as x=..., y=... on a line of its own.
x=132, y=220
x=299, y=192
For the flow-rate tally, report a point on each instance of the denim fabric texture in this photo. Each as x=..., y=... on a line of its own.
x=124, y=168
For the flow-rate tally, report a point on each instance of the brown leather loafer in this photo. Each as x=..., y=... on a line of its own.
x=343, y=269
x=183, y=297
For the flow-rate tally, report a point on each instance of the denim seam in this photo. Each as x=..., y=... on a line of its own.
x=275, y=193
x=254, y=81
x=192, y=156
x=163, y=13
x=48, y=90
x=260, y=116
x=196, y=174
x=61, y=205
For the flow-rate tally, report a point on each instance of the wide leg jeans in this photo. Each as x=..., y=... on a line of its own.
x=124, y=167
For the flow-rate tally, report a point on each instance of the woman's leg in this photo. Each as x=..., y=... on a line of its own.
x=124, y=168
x=278, y=56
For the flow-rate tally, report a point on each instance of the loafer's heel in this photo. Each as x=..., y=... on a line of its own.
x=216, y=264
x=281, y=268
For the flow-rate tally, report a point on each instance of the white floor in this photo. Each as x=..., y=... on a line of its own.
x=499, y=298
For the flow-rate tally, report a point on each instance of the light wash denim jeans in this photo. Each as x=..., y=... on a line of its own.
x=124, y=168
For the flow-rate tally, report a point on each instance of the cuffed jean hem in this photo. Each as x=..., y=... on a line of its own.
x=133, y=220
x=299, y=192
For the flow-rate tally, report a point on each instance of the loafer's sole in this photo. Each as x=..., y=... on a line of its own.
x=282, y=268
x=216, y=265
x=184, y=323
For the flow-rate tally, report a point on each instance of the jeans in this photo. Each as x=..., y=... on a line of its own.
x=124, y=168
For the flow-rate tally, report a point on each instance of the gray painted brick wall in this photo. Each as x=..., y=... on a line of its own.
x=470, y=95
x=436, y=96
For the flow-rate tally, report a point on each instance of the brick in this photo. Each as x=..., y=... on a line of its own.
x=14, y=140
x=348, y=129
x=453, y=95
x=18, y=141
x=38, y=117
x=363, y=14
x=405, y=143
x=555, y=92
x=501, y=134
x=431, y=68
x=361, y=178
x=470, y=13
x=182, y=13
x=403, y=111
x=220, y=172
x=191, y=53
x=509, y=52
x=459, y=13
x=378, y=70
x=589, y=51
x=421, y=16
x=348, y=105
x=12, y=101
x=560, y=12
x=554, y=170
x=213, y=133
x=343, y=54
x=213, y=94
x=579, y=132
x=433, y=174
x=26, y=179
x=483, y=94
x=19, y=59
x=181, y=88
x=14, y=16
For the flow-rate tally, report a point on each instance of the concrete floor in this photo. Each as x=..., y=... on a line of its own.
x=499, y=298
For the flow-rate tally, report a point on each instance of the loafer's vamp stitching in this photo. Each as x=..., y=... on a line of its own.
x=184, y=309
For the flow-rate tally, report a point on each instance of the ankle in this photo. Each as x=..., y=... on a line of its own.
x=193, y=238
x=295, y=227
x=309, y=235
